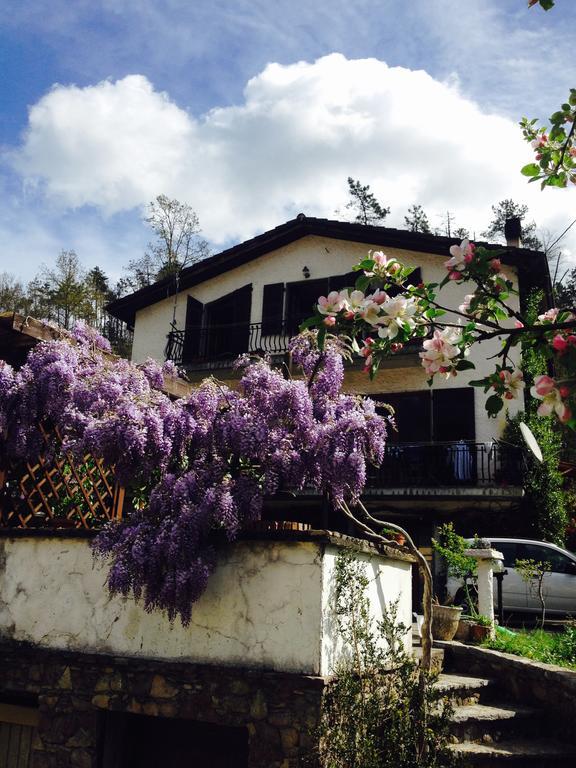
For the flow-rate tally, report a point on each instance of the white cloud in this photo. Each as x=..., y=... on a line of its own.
x=289, y=147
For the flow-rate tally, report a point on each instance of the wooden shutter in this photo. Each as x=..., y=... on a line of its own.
x=272, y=309
x=300, y=300
x=339, y=282
x=193, y=334
x=453, y=415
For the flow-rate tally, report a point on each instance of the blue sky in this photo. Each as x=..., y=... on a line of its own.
x=252, y=111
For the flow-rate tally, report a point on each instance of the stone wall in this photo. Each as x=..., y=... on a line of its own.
x=279, y=711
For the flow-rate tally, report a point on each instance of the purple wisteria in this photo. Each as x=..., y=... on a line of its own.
x=198, y=469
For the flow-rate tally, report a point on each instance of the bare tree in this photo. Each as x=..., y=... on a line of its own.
x=12, y=294
x=177, y=243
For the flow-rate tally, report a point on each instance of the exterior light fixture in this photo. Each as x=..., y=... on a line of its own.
x=306, y=272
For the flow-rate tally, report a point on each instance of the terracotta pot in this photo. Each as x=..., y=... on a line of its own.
x=399, y=538
x=479, y=633
x=445, y=619
x=463, y=631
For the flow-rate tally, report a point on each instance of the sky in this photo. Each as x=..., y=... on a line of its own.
x=252, y=111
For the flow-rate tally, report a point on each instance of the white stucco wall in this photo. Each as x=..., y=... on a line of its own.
x=389, y=583
x=325, y=257
x=266, y=606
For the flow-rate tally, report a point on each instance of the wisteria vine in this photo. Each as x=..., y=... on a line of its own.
x=198, y=469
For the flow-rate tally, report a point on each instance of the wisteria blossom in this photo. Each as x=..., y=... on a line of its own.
x=203, y=464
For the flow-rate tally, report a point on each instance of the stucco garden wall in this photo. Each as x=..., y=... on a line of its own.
x=267, y=606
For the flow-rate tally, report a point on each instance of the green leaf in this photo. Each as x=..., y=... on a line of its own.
x=477, y=383
x=465, y=365
x=547, y=4
x=494, y=405
x=321, y=338
x=532, y=169
x=362, y=283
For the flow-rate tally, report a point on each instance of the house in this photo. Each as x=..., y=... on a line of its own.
x=93, y=681
x=444, y=461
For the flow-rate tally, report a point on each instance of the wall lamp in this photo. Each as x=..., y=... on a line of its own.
x=306, y=272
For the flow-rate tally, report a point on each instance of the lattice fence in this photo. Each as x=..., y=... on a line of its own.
x=58, y=492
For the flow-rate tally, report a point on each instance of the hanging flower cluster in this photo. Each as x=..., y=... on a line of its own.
x=197, y=468
x=384, y=312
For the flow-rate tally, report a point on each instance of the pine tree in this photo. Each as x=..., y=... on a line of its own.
x=417, y=221
x=364, y=205
x=507, y=209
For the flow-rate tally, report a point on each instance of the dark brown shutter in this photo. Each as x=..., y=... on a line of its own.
x=339, y=282
x=272, y=309
x=453, y=415
x=301, y=298
x=193, y=332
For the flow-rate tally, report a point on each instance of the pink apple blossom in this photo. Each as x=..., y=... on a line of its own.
x=331, y=304
x=540, y=141
x=459, y=256
x=559, y=343
x=545, y=389
x=440, y=351
x=329, y=321
x=397, y=314
x=513, y=382
x=549, y=316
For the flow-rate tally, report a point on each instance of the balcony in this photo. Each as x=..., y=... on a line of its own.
x=457, y=468
x=217, y=346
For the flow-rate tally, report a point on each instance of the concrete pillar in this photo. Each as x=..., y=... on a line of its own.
x=487, y=561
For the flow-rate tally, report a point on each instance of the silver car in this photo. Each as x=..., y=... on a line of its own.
x=521, y=596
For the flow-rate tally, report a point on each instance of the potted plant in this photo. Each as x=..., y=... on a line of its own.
x=445, y=620
x=450, y=546
x=480, y=628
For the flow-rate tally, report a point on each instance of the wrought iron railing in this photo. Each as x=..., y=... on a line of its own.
x=222, y=343
x=419, y=465
x=216, y=345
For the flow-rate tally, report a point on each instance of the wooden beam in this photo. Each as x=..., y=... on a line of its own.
x=21, y=331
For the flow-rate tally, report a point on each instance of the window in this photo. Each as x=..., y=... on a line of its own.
x=432, y=415
x=508, y=549
x=17, y=729
x=558, y=562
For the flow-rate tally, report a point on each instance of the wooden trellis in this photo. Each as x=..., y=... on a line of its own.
x=60, y=492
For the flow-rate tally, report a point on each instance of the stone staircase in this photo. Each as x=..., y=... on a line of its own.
x=489, y=730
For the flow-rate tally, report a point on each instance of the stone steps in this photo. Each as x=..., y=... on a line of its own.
x=487, y=724
x=488, y=732
x=544, y=753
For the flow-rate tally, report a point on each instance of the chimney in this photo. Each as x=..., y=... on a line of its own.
x=513, y=232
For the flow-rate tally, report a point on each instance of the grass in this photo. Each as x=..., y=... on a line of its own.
x=549, y=647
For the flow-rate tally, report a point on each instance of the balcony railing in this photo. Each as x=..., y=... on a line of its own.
x=424, y=465
x=220, y=344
